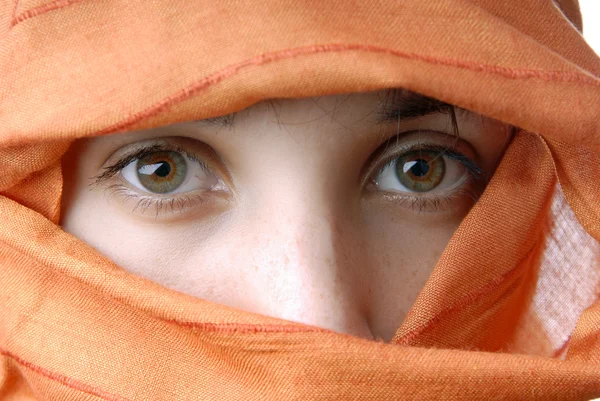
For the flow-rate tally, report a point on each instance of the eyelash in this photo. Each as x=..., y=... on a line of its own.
x=177, y=203
x=434, y=203
x=144, y=202
x=423, y=203
x=114, y=169
x=182, y=202
x=467, y=162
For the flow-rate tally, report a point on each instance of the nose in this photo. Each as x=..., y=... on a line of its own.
x=308, y=266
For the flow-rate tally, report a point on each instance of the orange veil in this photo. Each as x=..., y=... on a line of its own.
x=510, y=312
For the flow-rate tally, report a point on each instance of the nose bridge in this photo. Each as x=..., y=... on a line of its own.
x=303, y=256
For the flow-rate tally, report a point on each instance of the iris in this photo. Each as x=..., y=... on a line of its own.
x=162, y=172
x=420, y=170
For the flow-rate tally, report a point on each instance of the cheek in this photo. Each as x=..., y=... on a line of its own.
x=402, y=256
x=287, y=260
x=406, y=244
x=206, y=259
x=407, y=252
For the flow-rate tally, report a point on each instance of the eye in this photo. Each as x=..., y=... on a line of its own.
x=421, y=171
x=167, y=172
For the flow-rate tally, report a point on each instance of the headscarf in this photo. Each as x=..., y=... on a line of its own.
x=510, y=311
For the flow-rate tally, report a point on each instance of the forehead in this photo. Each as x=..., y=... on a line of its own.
x=362, y=120
x=349, y=124
x=341, y=128
x=384, y=106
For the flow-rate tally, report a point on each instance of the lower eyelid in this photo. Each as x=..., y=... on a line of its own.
x=126, y=197
x=455, y=203
x=160, y=206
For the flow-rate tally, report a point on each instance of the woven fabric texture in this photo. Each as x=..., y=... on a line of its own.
x=511, y=311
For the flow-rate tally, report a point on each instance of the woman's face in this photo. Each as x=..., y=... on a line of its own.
x=330, y=211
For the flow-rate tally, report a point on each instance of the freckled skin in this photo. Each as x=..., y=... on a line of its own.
x=299, y=236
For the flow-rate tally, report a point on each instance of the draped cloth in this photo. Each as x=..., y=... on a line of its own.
x=510, y=311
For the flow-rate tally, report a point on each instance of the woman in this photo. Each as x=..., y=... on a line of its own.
x=340, y=213
x=327, y=211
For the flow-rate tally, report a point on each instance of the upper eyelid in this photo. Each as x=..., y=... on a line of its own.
x=397, y=143
x=124, y=160
x=372, y=165
x=454, y=154
x=425, y=146
x=129, y=157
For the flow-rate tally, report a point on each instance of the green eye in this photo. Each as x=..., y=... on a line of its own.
x=421, y=170
x=161, y=172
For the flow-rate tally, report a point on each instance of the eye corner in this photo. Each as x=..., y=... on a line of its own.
x=166, y=174
x=438, y=176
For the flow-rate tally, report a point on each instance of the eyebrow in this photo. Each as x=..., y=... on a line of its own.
x=400, y=104
x=397, y=104
x=222, y=121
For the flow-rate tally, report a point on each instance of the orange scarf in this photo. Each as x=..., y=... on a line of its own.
x=510, y=311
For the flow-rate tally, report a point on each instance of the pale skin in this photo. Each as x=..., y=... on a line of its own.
x=297, y=213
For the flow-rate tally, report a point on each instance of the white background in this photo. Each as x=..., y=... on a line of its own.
x=590, y=9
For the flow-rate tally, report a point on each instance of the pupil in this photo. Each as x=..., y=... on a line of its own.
x=420, y=168
x=163, y=170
